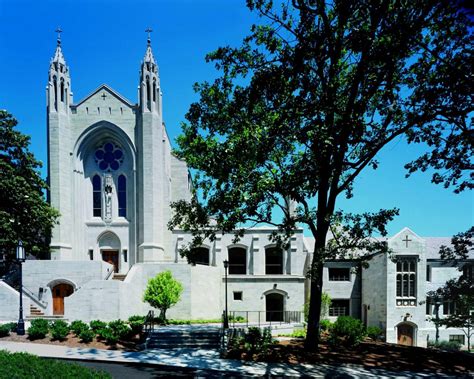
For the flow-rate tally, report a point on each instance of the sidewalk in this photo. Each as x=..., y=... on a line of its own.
x=207, y=360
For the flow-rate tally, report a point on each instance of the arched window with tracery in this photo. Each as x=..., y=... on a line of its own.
x=122, y=196
x=97, y=196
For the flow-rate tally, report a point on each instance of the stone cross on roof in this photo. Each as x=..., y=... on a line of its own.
x=406, y=240
x=59, y=31
x=149, y=30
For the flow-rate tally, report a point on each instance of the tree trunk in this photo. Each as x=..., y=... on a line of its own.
x=162, y=316
x=316, y=291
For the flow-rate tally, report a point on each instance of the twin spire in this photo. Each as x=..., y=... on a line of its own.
x=59, y=57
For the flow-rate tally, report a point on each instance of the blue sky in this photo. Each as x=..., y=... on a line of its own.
x=104, y=42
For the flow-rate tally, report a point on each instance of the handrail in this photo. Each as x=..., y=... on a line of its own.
x=149, y=322
x=109, y=274
x=267, y=318
x=30, y=294
x=33, y=297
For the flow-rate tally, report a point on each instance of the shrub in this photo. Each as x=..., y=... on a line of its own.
x=374, y=332
x=22, y=365
x=59, y=330
x=96, y=325
x=255, y=341
x=119, y=328
x=86, y=335
x=136, y=324
x=12, y=326
x=4, y=330
x=237, y=318
x=325, y=325
x=39, y=329
x=110, y=337
x=348, y=330
x=445, y=345
x=299, y=333
x=78, y=326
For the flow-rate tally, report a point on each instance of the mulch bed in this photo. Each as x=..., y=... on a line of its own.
x=368, y=354
x=72, y=341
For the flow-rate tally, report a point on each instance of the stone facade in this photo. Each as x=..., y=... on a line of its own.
x=112, y=177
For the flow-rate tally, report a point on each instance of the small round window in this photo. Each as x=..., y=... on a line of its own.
x=109, y=156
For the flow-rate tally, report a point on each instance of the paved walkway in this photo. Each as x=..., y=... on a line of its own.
x=207, y=360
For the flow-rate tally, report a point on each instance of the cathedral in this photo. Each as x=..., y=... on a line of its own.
x=113, y=175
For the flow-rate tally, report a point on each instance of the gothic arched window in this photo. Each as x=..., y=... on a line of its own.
x=201, y=255
x=97, y=196
x=62, y=90
x=154, y=89
x=55, y=85
x=122, y=196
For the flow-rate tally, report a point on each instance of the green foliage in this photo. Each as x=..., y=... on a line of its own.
x=23, y=365
x=78, y=326
x=299, y=333
x=347, y=330
x=96, y=325
x=86, y=335
x=4, y=330
x=110, y=337
x=23, y=209
x=445, y=345
x=136, y=324
x=307, y=103
x=59, y=330
x=39, y=329
x=119, y=328
x=325, y=303
x=374, y=332
x=325, y=325
x=162, y=292
x=233, y=318
x=257, y=342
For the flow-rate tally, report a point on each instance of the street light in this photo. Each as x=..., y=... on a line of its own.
x=226, y=317
x=20, y=257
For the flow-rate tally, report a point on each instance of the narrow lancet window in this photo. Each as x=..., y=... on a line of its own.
x=55, y=85
x=97, y=196
x=154, y=90
x=62, y=90
x=122, y=196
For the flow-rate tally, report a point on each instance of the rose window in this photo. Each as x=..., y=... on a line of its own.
x=109, y=156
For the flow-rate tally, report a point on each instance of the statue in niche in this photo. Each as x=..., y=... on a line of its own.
x=108, y=196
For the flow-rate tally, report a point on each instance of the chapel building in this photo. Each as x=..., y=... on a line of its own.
x=113, y=176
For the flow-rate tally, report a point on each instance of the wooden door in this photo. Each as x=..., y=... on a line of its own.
x=60, y=291
x=111, y=256
x=274, y=306
x=405, y=334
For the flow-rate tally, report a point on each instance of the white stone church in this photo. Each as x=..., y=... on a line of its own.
x=112, y=177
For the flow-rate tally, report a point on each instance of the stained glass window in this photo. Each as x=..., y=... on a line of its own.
x=122, y=196
x=96, y=196
x=109, y=156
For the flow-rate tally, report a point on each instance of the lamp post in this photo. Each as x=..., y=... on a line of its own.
x=20, y=257
x=226, y=317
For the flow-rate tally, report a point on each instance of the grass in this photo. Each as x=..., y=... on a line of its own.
x=23, y=365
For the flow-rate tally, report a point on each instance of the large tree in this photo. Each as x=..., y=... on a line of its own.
x=24, y=213
x=306, y=104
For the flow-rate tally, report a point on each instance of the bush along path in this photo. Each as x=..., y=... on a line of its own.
x=118, y=334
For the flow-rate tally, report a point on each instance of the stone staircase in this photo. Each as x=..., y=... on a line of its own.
x=35, y=312
x=184, y=337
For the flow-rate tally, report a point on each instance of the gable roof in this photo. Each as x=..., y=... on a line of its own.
x=105, y=87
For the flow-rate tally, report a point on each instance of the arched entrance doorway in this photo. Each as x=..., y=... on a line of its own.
x=60, y=291
x=274, y=303
x=109, y=245
x=405, y=334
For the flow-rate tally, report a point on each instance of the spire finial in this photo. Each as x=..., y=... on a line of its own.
x=59, y=31
x=149, y=30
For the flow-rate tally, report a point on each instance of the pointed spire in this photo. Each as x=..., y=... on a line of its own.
x=58, y=54
x=149, y=53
